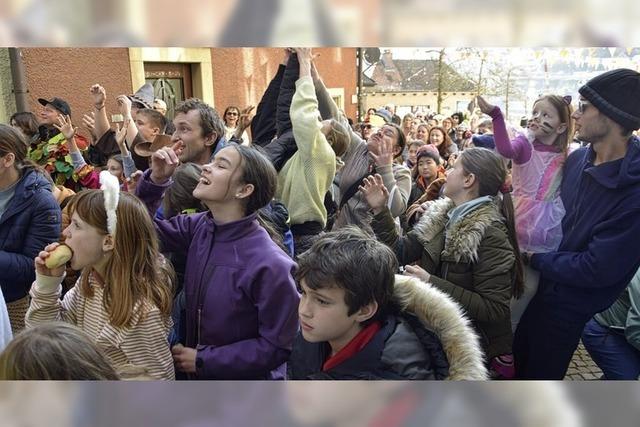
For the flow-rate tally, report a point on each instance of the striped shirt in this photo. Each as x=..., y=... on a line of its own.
x=144, y=344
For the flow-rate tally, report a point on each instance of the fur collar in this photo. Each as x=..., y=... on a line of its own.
x=464, y=237
x=439, y=313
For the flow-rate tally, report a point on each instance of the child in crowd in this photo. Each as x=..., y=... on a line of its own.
x=412, y=150
x=54, y=351
x=359, y=321
x=538, y=157
x=122, y=299
x=239, y=290
x=463, y=244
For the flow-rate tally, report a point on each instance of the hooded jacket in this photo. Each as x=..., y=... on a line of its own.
x=600, y=248
x=429, y=338
x=31, y=221
x=473, y=263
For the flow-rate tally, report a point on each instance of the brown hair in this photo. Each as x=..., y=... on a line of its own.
x=179, y=196
x=338, y=137
x=210, y=121
x=351, y=260
x=26, y=121
x=136, y=274
x=12, y=141
x=490, y=172
x=54, y=351
x=156, y=119
x=564, y=110
x=257, y=170
x=446, y=143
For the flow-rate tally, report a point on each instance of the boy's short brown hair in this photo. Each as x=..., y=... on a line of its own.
x=353, y=261
x=156, y=119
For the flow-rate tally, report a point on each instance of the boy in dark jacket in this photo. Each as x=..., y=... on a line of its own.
x=358, y=321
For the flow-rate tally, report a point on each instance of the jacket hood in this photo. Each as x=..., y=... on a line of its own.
x=440, y=314
x=464, y=237
x=619, y=173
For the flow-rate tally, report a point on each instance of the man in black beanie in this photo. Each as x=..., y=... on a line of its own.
x=600, y=248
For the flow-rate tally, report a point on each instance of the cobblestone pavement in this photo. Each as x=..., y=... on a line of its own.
x=582, y=367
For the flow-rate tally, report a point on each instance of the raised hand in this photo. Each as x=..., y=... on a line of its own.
x=385, y=155
x=132, y=181
x=417, y=272
x=121, y=135
x=244, y=121
x=99, y=96
x=65, y=127
x=89, y=121
x=40, y=260
x=484, y=106
x=124, y=105
x=163, y=163
x=375, y=193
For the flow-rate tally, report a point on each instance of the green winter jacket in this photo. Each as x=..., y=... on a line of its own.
x=474, y=263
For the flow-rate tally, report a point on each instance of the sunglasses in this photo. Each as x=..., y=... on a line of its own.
x=582, y=105
x=366, y=126
x=232, y=113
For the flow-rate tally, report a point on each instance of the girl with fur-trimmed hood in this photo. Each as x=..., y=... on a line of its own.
x=463, y=244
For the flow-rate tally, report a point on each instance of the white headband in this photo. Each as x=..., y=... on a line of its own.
x=111, y=192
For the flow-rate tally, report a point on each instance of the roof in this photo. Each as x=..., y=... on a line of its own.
x=413, y=75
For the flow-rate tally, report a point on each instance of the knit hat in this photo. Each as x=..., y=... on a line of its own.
x=615, y=94
x=484, y=141
x=144, y=96
x=429, y=151
x=57, y=103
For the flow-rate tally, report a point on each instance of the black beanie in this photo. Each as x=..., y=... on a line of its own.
x=616, y=94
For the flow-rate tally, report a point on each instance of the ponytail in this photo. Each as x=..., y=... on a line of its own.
x=506, y=208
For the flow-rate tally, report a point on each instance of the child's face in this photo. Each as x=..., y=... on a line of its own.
x=422, y=133
x=115, y=168
x=86, y=242
x=324, y=317
x=219, y=179
x=545, y=121
x=145, y=128
x=412, y=153
x=427, y=168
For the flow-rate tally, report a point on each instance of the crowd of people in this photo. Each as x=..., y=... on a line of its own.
x=294, y=244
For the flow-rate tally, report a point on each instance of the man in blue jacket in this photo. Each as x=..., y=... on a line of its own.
x=600, y=248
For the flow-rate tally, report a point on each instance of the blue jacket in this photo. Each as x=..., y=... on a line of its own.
x=32, y=221
x=600, y=248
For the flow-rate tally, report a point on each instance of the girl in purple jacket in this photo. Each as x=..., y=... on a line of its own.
x=241, y=298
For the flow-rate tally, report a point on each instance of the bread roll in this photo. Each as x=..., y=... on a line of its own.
x=60, y=256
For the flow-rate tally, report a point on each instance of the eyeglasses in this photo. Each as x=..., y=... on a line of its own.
x=366, y=126
x=582, y=105
x=232, y=113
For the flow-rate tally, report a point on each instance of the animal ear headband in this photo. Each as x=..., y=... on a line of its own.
x=567, y=99
x=111, y=192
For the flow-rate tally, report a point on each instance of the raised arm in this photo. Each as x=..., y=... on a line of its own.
x=519, y=150
x=101, y=124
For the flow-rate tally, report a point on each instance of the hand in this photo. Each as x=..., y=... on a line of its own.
x=375, y=193
x=385, y=156
x=65, y=127
x=178, y=148
x=184, y=358
x=244, y=121
x=89, y=121
x=163, y=163
x=417, y=272
x=124, y=105
x=484, y=106
x=132, y=181
x=304, y=54
x=121, y=135
x=42, y=269
x=99, y=96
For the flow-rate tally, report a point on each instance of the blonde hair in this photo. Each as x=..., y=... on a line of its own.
x=136, y=273
x=338, y=137
x=54, y=351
